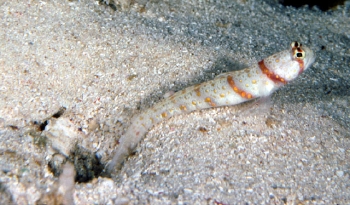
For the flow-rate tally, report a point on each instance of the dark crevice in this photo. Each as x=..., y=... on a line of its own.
x=323, y=5
x=59, y=113
x=43, y=125
x=111, y=5
x=13, y=127
x=87, y=165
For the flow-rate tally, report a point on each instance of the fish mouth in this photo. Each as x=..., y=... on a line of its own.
x=310, y=57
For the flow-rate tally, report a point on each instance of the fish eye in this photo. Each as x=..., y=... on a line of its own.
x=295, y=44
x=299, y=54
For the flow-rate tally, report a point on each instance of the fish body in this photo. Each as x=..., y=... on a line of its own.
x=230, y=88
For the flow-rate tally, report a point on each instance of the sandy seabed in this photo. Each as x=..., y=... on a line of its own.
x=73, y=73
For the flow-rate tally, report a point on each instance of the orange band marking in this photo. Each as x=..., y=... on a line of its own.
x=242, y=93
x=272, y=76
x=301, y=66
